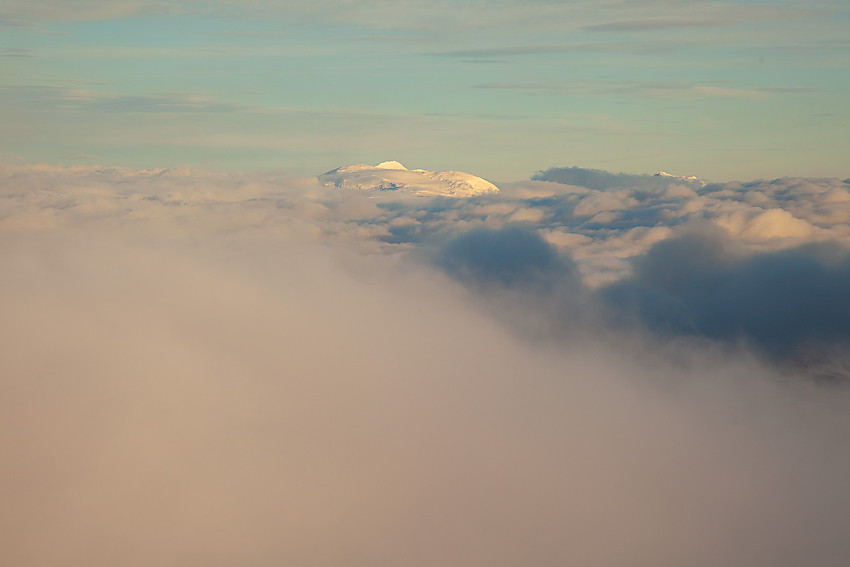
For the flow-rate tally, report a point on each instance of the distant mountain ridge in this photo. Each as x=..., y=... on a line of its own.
x=600, y=179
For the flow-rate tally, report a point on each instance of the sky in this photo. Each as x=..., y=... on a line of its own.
x=722, y=90
x=221, y=344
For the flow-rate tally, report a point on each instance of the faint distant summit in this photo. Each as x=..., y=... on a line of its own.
x=599, y=179
x=393, y=176
x=671, y=177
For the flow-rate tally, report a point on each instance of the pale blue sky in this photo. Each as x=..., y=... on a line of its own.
x=722, y=90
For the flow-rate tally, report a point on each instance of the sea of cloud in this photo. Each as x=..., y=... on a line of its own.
x=204, y=369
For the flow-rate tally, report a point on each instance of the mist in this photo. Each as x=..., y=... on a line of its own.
x=202, y=369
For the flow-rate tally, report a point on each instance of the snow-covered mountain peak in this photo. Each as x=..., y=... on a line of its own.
x=393, y=176
x=390, y=165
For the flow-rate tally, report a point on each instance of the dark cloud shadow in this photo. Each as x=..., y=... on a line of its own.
x=786, y=304
x=791, y=307
x=513, y=257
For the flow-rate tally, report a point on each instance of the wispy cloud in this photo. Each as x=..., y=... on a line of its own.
x=693, y=15
x=542, y=49
x=81, y=95
x=489, y=52
x=704, y=91
x=17, y=52
x=520, y=86
x=29, y=13
x=680, y=89
x=655, y=24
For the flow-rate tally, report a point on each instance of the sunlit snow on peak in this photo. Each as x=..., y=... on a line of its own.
x=686, y=179
x=393, y=176
x=392, y=164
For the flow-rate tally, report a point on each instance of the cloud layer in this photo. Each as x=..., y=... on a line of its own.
x=207, y=369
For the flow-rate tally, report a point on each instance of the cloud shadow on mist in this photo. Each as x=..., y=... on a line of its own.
x=784, y=303
x=788, y=305
x=512, y=257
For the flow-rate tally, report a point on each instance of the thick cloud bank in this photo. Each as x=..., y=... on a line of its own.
x=203, y=369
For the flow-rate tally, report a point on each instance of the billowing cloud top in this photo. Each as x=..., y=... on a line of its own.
x=393, y=176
